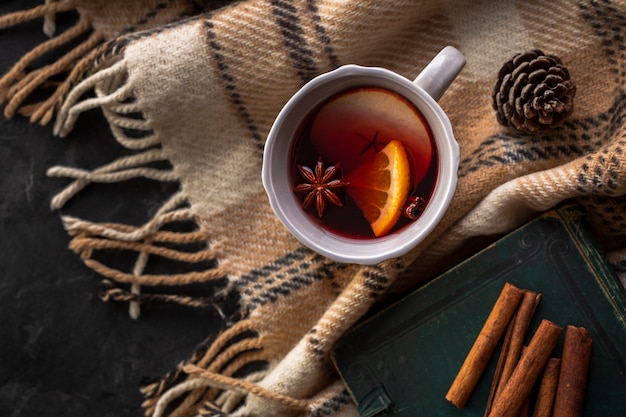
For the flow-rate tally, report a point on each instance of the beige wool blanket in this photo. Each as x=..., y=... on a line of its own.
x=198, y=84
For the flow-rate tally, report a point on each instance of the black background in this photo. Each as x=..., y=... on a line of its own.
x=64, y=352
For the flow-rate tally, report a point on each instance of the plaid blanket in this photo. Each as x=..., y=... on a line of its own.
x=192, y=88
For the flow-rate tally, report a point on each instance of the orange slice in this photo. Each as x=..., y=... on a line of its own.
x=380, y=187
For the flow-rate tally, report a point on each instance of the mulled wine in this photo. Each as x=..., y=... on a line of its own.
x=340, y=156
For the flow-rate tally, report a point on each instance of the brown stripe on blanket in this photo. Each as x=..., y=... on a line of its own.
x=230, y=84
x=322, y=34
x=291, y=273
x=300, y=55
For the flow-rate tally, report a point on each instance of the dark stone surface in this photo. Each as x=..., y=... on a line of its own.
x=64, y=352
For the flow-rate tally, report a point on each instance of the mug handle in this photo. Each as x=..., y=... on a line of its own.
x=441, y=71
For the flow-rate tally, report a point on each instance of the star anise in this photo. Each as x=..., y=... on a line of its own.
x=320, y=186
x=371, y=143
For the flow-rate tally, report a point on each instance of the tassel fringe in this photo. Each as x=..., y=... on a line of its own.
x=17, y=72
x=110, y=292
x=146, y=241
x=211, y=379
x=114, y=95
x=234, y=391
x=243, y=386
x=18, y=85
x=22, y=89
x=121, y=169
x=220, y=389
x=110, y=93
x=16, y=18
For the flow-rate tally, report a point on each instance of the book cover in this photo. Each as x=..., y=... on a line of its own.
x=402, y=361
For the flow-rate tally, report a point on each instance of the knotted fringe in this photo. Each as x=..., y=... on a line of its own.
x=114, y=96
x=224, y=382
x=17, y=85
x=47, y=11
x=148, y=240
x=121, y=169
x=222, y=359
x=216, y=392
x=218, y=377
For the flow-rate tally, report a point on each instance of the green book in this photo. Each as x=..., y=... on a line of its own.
x=402, y=361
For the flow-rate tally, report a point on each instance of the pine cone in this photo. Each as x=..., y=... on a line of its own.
x=533, y=92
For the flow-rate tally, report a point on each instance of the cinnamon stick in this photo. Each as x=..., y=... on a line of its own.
x=485, y=344
x=547, y=389
x=513, y=345
x=570, y=393
x=526, y=373
x=525, y=408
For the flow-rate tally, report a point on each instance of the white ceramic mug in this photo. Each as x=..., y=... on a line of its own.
x=278, y=167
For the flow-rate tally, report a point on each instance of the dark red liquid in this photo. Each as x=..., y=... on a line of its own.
x=351, y=127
